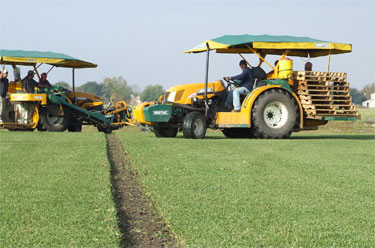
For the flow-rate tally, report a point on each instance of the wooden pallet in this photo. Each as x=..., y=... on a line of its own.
x=324, y=94
x=324, y=101
x=327, y=106
x=319, y=76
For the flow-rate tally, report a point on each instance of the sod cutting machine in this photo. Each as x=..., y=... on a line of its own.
x=281, y=102
x=56, y=108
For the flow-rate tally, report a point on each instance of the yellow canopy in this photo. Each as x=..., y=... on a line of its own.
x=30, y=58
x=296, y=46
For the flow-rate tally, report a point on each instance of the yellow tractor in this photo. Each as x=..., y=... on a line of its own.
x=56, y=108
x=281, y=101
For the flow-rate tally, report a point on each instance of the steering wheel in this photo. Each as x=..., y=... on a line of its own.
x=230, y=82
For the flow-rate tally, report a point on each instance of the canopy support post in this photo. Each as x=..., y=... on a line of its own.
x=36, y=71
x=261, y=61
x=206, y=78
x=50, y=69
x=329, y=59
x=260, y=57
x=73, y=84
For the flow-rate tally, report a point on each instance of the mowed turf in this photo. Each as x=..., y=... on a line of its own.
x=311, y=190
x=55, y=191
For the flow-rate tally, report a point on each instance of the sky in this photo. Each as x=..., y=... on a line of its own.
x=143, y=41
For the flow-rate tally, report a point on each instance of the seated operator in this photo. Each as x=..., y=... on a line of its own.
x=43, y=82
x=246, y=79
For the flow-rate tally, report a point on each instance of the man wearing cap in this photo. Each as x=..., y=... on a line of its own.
x=28, y=86
x=28, y=83
x=4, y=84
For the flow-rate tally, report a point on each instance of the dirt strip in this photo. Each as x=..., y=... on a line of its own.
x=138, y=221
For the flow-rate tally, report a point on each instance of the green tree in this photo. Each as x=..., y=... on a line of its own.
x=92, y=88
x=63, y=84
x=117, y=89
x=368, y=90
x=152, y=93
x=357, y=96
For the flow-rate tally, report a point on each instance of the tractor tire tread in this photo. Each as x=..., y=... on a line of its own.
x=258, y=127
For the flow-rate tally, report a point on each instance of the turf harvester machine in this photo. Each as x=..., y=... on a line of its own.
x=56, y=108
x=281, y=102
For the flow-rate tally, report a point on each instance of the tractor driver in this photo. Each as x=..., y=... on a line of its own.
x=246, y=79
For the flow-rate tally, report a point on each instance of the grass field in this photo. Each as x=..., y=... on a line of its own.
x=55, y=191
x=312, y=190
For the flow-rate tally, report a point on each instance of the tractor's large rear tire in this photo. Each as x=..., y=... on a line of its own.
x=53, y=123
x=237, y=133
x=194, y=125
x=165, y=132
x=274, y=116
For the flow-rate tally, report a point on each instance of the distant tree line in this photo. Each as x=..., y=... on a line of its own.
x=359, y=96
x=151, y=93
x=117, y=89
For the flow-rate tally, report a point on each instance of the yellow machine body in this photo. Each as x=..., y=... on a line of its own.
x=182, y=94
x=25, y=97
x=138, y=114
x=243, y=118
x=179, y=94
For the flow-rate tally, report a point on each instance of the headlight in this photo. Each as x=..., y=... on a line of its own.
x=209, y=91
x=171, y=96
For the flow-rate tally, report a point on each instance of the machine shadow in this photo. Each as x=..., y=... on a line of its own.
x=336, y=136
x=307, y=137
x=206, y=137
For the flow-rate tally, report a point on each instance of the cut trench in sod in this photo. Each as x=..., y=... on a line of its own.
x=139, y=224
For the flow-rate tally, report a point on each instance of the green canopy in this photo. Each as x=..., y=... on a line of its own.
x=271, y=44
x=21, y=57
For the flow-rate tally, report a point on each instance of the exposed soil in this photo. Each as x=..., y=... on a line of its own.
x=139, y=223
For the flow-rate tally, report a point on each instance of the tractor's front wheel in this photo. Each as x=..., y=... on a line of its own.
x=274, y=115
x=194, y=125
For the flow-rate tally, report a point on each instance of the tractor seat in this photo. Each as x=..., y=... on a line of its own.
x=259, y=75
